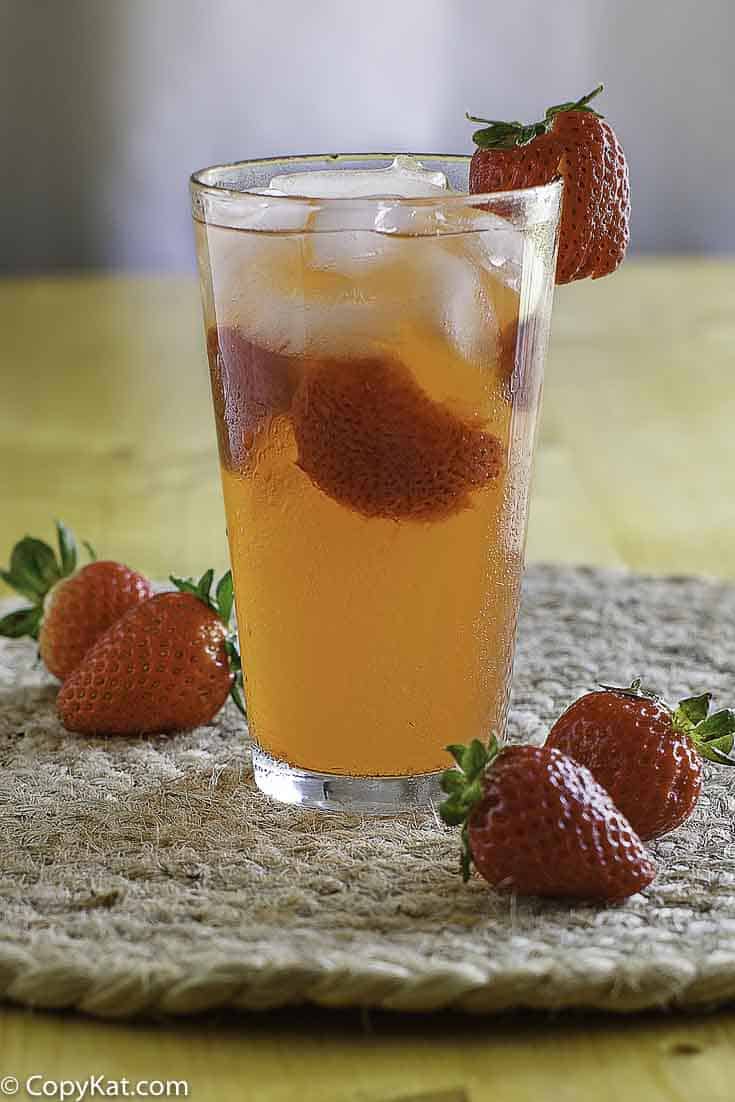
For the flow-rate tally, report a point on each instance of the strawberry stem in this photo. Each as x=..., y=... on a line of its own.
x=635, y=690
x=497, y=134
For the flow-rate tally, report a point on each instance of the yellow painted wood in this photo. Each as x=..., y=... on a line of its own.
x=639, y=413
x=313, y=1056
x=105, y=421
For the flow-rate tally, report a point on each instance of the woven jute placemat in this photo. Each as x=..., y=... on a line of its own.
x=149, y=875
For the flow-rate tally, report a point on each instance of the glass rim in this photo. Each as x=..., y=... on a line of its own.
x=201, y=186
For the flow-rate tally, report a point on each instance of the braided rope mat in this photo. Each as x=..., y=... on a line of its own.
x=149, y=876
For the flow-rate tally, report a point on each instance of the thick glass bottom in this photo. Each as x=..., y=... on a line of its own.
x=335, y=792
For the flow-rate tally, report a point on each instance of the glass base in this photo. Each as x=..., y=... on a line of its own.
x=335, y=792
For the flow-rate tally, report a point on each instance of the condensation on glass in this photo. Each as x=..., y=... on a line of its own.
x=376, y=371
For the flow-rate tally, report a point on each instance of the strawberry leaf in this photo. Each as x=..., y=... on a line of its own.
x=475, y=760
x=713, y=736
x=185, y=585
x=19, y=585
x=24, y=621
x=453, y=811
x=507, y=135
x=204, y=585
x=715, y=726
x=692, y=711
x=236, y=691
x=581, y=104
x=711, y=752
x=67, y=549
x=237, y=696
x=90, y=550
x=723, y=744
x=452, y=782
x=225, y=595
x=34, y=568
x=202, y=590
x=458, y=752
x=233, y=654
x=464, y=786
x=33, y=564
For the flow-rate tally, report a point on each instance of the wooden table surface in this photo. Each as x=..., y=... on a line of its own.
x=105, y=421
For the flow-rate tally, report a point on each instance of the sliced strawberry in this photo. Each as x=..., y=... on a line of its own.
x=371, y=439
x=249, y=385
x=574, y=142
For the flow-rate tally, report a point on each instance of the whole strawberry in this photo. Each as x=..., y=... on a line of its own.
x=574, y=142
x=647, y=755
x=167, y=665
x=537, y=823
x=70, y=607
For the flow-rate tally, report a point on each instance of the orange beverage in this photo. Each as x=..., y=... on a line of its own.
x=376, y=379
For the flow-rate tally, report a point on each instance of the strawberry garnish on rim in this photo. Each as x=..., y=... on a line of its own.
x=574, y=142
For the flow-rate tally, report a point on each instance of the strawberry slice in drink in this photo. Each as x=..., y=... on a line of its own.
x=250, y=384
x=370, y=438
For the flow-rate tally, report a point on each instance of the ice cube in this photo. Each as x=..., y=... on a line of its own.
x=498, y=248
x=406, y=177
x=342, y=294
x=437, y=266
x=342, y=280
x=363, y=288
x=257, y=285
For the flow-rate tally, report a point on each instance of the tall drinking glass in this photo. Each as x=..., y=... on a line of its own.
x=376, y=371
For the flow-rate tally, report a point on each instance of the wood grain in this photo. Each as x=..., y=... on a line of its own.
x=105, y=421
x=318, y=1056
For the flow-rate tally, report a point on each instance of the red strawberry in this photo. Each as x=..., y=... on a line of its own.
x=574, y=142
x=71, y=608
x=537, y=823
x=644, y=753
x=167, y=665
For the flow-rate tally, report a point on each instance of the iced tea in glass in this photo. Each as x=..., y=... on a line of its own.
x=376, y=367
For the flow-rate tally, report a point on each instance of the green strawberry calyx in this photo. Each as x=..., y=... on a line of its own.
x=496, y=134
x=221, y=604
x=463, y=786
x=713, y=735
x=34, y=570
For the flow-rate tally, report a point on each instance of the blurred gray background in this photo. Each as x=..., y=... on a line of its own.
x=106, y=106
